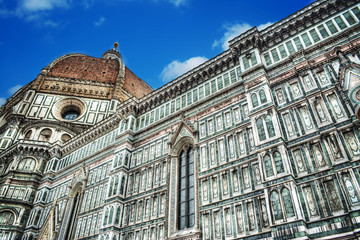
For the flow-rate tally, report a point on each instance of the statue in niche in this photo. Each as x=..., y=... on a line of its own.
x=228, y=222
x=222, y=150
x=155, y=206
x=157, y=174
x=237, y=115
x=319, y=111
x=239, y=219
x=150, y=177
x=219, y=122
x=235, y=181
x=212, y=151
x=264, y=214
x=231, y=146
x=225, y=184
x=205, y=190
x=334, y=146
x=318, y=156
x=251, y=140
x=203, y=154
x=217, y=225
x=215, y=187
x=164, y=173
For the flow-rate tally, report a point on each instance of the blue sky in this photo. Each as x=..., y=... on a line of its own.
x=159, y=39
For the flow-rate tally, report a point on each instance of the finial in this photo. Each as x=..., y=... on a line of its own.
x=116, y=44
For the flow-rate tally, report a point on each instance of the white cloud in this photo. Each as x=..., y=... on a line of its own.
x=234, y=30
x=41, y=5
x=178, y=3
x=176, y=68
x=99, y=22
x=13, y=89
x=2, y=101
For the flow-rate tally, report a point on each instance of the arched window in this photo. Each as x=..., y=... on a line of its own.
x=7, y=218
x=186, y=205
x=28, y=134
x=276, y=206
x=44, y=197
x=270, y=126
x=262, y=96
x=289, y=210
x=268, y=166
x=27, y=164
x=254, y=100
x=278, y=162
x=45, y=135
x=261, y=130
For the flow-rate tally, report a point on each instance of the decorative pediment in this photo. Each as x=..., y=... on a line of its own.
x=185, y=129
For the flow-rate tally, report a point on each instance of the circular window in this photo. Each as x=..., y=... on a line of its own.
x=65, y=137
x=68, y=109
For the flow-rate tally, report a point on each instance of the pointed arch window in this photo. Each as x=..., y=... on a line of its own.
x=286, y=197
x=278, y=162
x=254, y=100
x=186, y=204
x=276, y=206
x=268, y=166
x=7, y=218
x=270, y=126
x=262, y=96
x=261, y=129
x=281, y=204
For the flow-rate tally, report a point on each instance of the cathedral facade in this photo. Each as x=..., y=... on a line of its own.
x=259, y=142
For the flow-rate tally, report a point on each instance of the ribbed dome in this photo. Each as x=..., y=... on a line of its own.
x=86, y=68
